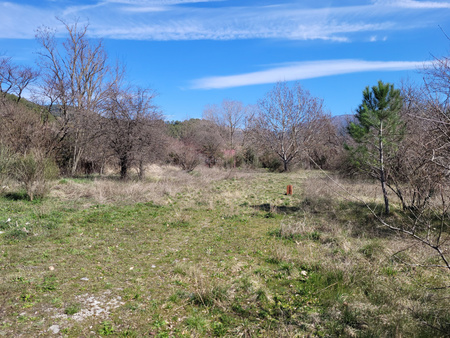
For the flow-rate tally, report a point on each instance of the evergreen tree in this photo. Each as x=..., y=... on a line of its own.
x=377, y=132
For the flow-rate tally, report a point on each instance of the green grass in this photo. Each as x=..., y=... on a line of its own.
x=235, y=257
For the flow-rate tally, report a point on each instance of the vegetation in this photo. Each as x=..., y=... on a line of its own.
x=378, y=132
x=209, y=254
x=115, y=222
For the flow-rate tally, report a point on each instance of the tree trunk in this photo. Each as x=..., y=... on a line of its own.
x=285, y=165
x=141, y=170
x=76, y=160
x=77, y=152
x=386, y=200
x=382, y=171
x=123, y=166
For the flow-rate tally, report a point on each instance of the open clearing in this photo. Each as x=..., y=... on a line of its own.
x=212, y=253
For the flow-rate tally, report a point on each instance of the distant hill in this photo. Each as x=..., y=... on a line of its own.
x=23, y=102
x=30, y=106
x=342, y=121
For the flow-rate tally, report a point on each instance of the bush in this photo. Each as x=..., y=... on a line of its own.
x=33, y=171
x=6, y=158
x=271, y=162
x=248, y=157
x=186, y=157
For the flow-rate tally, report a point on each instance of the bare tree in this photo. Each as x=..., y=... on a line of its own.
x=437, y=86
x=15, y=78
x=6, y=75
x=284, y=121
x=324, y=143
x=130, y=117
x=183, y=155
x=230, y=117
x=422, y=165
x=74, y=83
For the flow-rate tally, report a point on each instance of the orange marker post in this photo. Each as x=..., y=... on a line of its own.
x=289, y=190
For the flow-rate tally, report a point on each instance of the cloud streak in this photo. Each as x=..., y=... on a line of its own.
x=158, y=2
x=414, y=4
x=302, y=71
x=165, y=20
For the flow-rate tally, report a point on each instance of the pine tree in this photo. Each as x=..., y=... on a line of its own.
x=377, y=132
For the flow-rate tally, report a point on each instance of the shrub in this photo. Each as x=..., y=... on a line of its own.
x=33, y=171
x=186, y=157
x=250, y=158
x=270, y=162
x=6, y=158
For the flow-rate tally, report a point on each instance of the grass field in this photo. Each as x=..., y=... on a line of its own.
x=212, y=253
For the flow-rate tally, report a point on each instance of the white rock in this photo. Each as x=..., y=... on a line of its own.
x=54, y=329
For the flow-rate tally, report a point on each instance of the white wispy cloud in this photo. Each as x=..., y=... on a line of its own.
x=168, y=20
x=19, y=21
x=157, y=2
x=228, y=23
x=146, y=9
x=302, y=71
x=414, y=4
x=78, y=9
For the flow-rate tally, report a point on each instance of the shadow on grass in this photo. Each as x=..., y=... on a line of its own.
x=96, y=177
x=363, y=221
x=355, y=215
x=16, y=196
x=282, y=209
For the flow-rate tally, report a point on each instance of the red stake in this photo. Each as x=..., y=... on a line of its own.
x=289, y=190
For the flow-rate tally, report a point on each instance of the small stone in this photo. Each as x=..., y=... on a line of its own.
x=54, y=329
x=51, y=268
x=153, y=266
x=84, y=278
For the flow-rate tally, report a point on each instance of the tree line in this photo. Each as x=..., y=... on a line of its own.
x=84, y=117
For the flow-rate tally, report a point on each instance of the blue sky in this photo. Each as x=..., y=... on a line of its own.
x=195, y=53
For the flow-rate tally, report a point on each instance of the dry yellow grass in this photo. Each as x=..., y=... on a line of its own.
x=160, y=185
